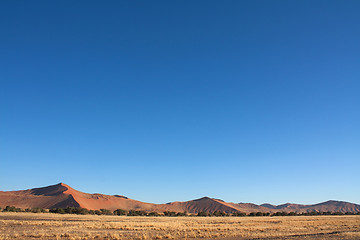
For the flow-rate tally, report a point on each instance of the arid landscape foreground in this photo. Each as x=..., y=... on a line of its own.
x=57, y=226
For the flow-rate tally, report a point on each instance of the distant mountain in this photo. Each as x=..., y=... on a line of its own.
x=61, y=196
x=328, y=206
x=268, y=205
x=284, y=207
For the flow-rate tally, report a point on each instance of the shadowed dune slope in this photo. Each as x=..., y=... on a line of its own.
x=61, y=195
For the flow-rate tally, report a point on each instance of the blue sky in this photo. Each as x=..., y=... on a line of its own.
x=247, y=101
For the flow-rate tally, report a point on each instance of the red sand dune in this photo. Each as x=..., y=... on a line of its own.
x=61, y=195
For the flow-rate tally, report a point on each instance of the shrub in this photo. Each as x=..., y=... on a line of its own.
x=57, y=210
x=181, y=213
x=119, y=212
x=11, y=209
x=153, y=214
x=203, y=214
x=70, y=210
x=38, y=210
x=82, y=211
x=219, y=214
x=106, y=212
x=239, y=214
x=136, y=213
x=279, y=214
x=170, y=214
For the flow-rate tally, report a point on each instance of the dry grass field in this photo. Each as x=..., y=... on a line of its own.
x=56, y=226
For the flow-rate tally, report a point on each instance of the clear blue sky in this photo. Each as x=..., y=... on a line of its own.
x=247, y=101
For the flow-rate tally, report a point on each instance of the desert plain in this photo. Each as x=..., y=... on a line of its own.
x=67, y=226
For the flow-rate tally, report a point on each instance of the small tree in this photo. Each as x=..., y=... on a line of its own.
x=11, y=209
x=120, y=212
x=170, y=214
x=83, y=211
x=153, y=214
x=60, y=210
x=181, y=213
x=203, y=214
x=136, y=213
x=219, y=214
x=239, y=214
x=105, y=212
x=38, y=210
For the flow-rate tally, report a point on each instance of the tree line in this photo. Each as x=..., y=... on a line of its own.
x=121, y=212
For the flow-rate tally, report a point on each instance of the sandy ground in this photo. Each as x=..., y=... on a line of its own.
x=57, y=226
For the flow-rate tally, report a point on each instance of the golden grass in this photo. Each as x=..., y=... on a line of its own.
x=56, y=226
